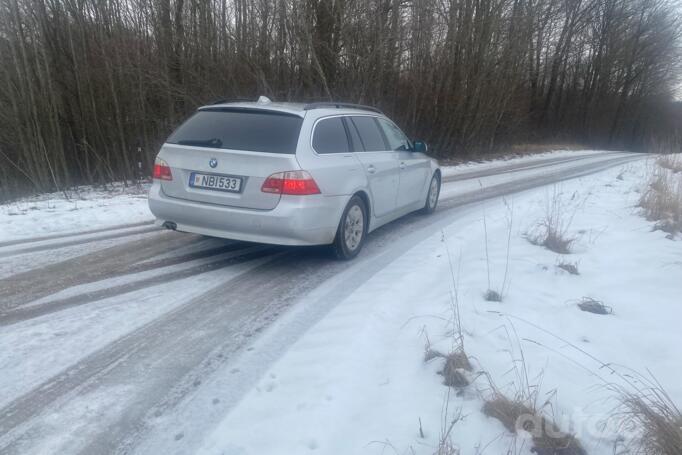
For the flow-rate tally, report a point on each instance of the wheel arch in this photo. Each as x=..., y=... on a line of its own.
x=365, y=198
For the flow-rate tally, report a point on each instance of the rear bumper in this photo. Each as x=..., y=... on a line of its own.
x=297, y=220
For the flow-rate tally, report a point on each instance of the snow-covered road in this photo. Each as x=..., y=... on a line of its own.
x=127, y=338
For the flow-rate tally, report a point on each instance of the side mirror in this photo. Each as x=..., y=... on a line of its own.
x=420, y=147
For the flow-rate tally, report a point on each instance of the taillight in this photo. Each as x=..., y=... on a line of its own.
x=161, y=170
x=298, y=183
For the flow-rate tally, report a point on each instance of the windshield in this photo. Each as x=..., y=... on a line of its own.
x=247, y=130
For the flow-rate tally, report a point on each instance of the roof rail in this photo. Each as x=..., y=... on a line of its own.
x=232, y=100
x=323, y=104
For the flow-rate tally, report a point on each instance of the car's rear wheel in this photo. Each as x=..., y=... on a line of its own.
x=350, y=235
x=432, y=195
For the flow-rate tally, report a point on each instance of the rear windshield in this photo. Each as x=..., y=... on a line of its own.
x=248, y=130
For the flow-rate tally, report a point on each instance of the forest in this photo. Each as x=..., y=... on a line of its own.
x=89, y=89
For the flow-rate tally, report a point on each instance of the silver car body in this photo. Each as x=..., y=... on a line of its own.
x=392, y=183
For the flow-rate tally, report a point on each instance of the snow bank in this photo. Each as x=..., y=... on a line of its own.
x=527, y=160
x=86, y=209
x=356, y=381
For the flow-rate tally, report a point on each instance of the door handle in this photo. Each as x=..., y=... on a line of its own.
x=402, y=165
x=371, y=169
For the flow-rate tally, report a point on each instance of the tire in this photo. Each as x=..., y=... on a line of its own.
x=432, y=195
x=352, y=230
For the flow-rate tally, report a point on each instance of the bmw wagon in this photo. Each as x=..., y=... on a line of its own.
x=290, y=174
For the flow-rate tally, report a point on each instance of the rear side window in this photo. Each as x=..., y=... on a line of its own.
x=396, y=139
x=330, y=136
x=368, y=129
x=247, y=130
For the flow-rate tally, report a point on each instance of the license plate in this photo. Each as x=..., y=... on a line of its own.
x=215, y=182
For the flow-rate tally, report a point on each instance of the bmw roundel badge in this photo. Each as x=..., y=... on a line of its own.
x=213, y=162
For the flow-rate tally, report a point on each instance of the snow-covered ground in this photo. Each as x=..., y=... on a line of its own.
x=356, y=382
x=518, y=161
x=38, y=350
x=341, y=371
x=86, y=209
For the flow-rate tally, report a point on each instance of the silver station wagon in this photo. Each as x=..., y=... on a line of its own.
x=290, y=174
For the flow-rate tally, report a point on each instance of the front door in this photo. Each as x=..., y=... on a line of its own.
x=413, y=167
x=381, y=166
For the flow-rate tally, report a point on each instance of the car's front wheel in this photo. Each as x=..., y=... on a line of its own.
x=350, y=235
x=432, y=195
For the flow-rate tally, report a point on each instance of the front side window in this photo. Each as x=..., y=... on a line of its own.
x=370, y=135
x=240, y=129
x=396, y=139
x=330, y=136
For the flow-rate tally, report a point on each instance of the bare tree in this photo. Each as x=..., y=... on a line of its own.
x=86, y=83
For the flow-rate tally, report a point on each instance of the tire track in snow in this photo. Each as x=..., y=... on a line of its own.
x=172, y=346
x=54, y=245
x=25, y=313
x=548, y=178
x=111, y=262
x=73, y=234
x=517, y=167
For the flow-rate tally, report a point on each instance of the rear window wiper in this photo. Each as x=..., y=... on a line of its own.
x=215, y=142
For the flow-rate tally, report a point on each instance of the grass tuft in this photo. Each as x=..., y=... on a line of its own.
x=552, y=239
x=672, y=162
x=430, y=354
x=547, y=438
x=455, y=369
x=658, y=418
x=447, y=447
x=662, y=200
x=508, y=412
x=594, y=306
x=553, y=445
x=570, y=267
x=551, y=231
x=492, y=296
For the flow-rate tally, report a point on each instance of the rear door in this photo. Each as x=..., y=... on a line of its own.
x=414, y=167
x=333, y=166
x=223, y=155
x=380, y=164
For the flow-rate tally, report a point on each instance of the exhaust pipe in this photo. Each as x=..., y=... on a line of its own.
x=170, y=225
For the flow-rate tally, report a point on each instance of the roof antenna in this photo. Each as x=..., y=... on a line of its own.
x=264, y=100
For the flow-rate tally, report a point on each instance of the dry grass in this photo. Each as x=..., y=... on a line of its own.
x=670, y=161
x=552, y=230
x=647, y=409
x=455, y=368
x=445, y=444
x=447, y=447
x=570, y=267
x=552, y=238
x=662, y=200
x=516, y=415
x=594, y=306
x=454, y=371
x=553, y=445
x=658, y=419
x=492, y=296
x=508, y=412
